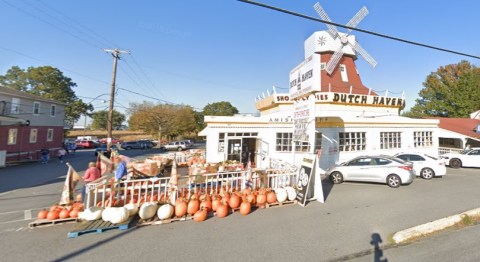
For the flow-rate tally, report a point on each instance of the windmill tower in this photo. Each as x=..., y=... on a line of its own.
x=338, y=52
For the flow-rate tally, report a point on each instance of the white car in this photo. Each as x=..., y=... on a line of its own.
x=379, y=169
x=424, y=166
x=178, y=145
x=468, y=158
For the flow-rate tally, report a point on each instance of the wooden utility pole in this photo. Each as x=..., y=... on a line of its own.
x=116, y=55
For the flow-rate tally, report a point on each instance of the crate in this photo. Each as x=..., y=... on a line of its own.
x=47, y=222
x=277, y=204
x=97, y=226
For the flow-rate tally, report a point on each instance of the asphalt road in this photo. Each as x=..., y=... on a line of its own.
x=342, y=228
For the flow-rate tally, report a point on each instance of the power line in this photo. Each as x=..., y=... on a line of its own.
x=146, y=76
x=357, y=29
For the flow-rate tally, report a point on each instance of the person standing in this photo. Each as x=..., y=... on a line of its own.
x=44, y=152
x=120, y=172
x=92, y=174
x=61, y=154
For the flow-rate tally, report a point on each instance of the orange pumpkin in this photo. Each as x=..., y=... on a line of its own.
x=74, y=213
x=64, y=214
x=52, y=215
x=42, y=214
x=234, y=201
x=206, y=204
x=180, y=208
x=271, y=197
x=193, y=206
x=215, y=203
x=261, y=198
x=222, y=210
x=245, y=208
x=200, y=215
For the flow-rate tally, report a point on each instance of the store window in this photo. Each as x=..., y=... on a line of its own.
x=221, y=142
x=33, y=135
x=351, y=141
x=36, y=108
x=423, y=139
x=12, y=136
x=284, y=142
x=15, y=109
x=318, y=141
x=389, y=140
x=53, y=110
x=50, y=135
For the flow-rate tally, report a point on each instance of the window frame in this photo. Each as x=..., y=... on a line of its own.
x=37, y=109
x=50, y=138
x=352, y=141
x=390, y=140
x=14, y=140
x=283, y=141
x=53, y=110
x=33, y=134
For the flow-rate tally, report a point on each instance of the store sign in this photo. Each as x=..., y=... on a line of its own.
x=305, y=174
x=353, y=99
x=303, y=117
x=305, y=78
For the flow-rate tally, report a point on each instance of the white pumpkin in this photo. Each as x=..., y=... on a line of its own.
x=291, y=192
x=107, y=213
x=118, y=215
x=132, y=209
x=92, y=213
x=281, y=194
x=148, y=210
x=165, y=211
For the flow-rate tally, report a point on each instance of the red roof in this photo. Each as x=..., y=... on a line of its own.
x=464, y=126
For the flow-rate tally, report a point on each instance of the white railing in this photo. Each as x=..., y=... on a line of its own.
x=447, y=150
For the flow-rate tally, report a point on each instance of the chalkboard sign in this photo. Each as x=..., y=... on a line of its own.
x=304, y=178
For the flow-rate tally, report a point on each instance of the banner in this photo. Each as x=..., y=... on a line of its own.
x=70, y=182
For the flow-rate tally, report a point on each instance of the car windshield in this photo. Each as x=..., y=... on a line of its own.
x=401, y=161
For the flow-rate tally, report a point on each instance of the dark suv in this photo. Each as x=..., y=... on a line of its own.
x=137, y=145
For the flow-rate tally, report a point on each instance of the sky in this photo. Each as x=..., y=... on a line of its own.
x=201, y=52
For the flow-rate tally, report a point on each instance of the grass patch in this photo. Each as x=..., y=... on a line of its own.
x=467, y=220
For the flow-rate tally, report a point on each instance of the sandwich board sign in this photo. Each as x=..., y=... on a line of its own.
x=304, y=185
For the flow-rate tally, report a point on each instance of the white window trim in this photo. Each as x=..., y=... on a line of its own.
x=50, y=139
x=30, y=136
x=54, y=111
x=15, y=106
x=36, y=103
x=8, y=137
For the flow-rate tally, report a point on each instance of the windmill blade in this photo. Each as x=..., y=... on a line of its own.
x=321, y=12
x=357, y=18
x=334, y=60
x=359, y=49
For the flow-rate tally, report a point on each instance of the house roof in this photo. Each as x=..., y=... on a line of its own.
x=16, y=93
x=464, y=126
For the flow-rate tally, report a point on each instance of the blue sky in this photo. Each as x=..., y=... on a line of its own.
x=200, y=52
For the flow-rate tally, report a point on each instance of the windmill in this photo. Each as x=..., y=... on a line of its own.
x=343, y=39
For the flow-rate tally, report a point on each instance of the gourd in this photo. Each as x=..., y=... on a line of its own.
x=117, y=214
x=107, y=213
x=271, y=197
x=200, y=215
x=148, y=210
x=165, y=211
x=92, y=213
x=132, y=209
x=281, y=194
x=291, y=192
x=234, y=201
x=245, y=208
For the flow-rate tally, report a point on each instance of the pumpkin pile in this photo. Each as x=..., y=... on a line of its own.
x=61, y=212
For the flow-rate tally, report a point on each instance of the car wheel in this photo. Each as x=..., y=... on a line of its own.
x=336, y=177
x=393, y=181
x=180, y=149
x=427, y=173
x=455, y=163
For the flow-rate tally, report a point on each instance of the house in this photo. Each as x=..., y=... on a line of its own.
x=29, y=123
x=456, y=133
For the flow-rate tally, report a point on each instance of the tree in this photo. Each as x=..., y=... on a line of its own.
x=47, y=82
x=452, y=91
x=100, y=119
x=169, y=120
x=222, y=108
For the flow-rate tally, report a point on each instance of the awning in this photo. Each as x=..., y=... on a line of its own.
x=10, y=121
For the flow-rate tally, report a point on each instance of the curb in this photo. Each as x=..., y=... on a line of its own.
x=430, y=227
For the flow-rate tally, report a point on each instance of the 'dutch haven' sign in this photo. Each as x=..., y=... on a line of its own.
x=305, y=78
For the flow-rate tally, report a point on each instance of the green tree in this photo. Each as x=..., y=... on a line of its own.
x=47, y=82
x=99, y=119
x=165, y=119
x=452, y=91
x=222, y=108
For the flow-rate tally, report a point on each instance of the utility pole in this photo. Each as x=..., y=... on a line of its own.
x=116, y=55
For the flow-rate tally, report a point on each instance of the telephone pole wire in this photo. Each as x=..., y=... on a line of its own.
x=116, y=55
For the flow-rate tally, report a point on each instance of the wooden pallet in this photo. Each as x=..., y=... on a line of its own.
x=285, y=203
x=156, y=221
x=46, y=222
x=97, y=226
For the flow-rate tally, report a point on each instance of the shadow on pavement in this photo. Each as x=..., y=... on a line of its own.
x=378, y=252
x=327, y=186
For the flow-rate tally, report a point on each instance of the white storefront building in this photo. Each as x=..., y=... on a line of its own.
x=342, y=117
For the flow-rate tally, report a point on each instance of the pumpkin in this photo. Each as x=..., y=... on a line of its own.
x=261, y=198
x=271, y=197
x=132, y=209
x=206, y=204
x=56, y=208
x=90, y=214
x=64, y=214
x=116, y=215
x=74, y=213
x=200, y=215
x=251, y=198
x=42, y=214
x=281, y=194
x=165, y=211
x=222, y=210
x=291, y=193
x=215, y=203
x=148, y=210
x=180, y=208
x=234, y=201
x=193, y=206
x=107, y=213
x=52, y=215
x=245, y=208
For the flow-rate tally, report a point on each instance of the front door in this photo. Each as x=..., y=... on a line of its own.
x=234, y=149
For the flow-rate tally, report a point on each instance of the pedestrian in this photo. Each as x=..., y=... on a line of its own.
x=61, y=154
x=73, y=147
x=92, y=174
x=120, y=172
x=44, y=152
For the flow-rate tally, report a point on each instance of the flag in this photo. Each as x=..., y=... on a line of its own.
x=70, y=182
x=104, y=164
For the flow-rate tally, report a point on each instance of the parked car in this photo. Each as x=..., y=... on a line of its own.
x=467, y=158
x=85, y=144
x=154, y=143
x=114, y=141
x=379, y=169
x=136, y=145
x=178, y=145
x=103, y=148
x=424, y=166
